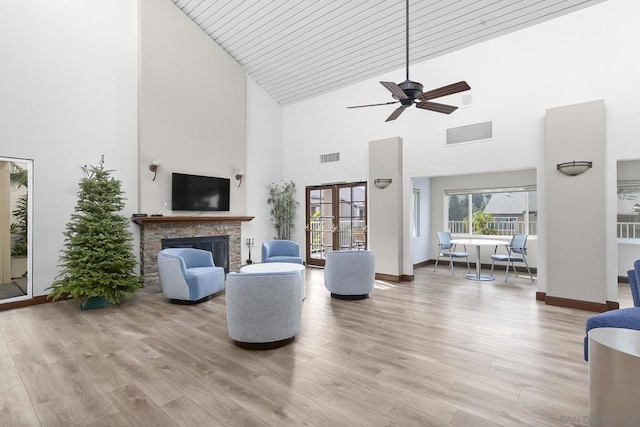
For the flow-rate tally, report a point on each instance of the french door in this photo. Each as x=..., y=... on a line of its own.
x=336, y=219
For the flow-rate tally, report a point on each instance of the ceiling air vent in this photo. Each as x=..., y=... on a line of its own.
x=469, y=133
x=331, y=157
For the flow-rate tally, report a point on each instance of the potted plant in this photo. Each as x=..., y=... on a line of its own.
x=97, y=261
x=283, y=208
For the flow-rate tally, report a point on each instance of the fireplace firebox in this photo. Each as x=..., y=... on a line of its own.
x=217, y=245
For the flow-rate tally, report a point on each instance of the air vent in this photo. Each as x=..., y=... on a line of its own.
x=331, y=157
x=469, y=133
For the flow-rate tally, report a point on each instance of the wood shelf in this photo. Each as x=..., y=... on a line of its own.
x=140, y=220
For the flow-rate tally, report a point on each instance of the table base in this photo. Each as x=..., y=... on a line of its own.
x=483, y=277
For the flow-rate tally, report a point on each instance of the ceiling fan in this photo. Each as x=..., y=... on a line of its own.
x=409, y=92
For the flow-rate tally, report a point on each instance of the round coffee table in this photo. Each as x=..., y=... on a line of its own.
x=277, y=267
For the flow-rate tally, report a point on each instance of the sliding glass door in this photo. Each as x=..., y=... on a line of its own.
x=336, y=219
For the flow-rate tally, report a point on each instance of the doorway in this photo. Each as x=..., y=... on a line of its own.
x=15, y=231
x=336, y=219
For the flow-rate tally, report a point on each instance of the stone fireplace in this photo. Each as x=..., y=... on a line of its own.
x=192, y=231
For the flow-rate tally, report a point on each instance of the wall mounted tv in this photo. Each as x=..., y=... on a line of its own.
x=199, y=193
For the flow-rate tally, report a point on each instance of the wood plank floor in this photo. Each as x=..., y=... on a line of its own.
x=440, y=351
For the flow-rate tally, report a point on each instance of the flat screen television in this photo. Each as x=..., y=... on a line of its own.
x=199, y=193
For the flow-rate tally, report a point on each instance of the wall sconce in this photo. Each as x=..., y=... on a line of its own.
x=239, y=176
x=153, y=167
x=382, y=182
x=575, y=167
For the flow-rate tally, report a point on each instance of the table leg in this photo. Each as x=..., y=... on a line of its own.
x=477, y=276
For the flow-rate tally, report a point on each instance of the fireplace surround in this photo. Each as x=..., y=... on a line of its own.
x=154, y=229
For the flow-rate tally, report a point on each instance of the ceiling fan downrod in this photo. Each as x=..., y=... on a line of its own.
x=407, y=40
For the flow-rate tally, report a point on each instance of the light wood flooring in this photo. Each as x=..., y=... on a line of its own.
x=438, y=351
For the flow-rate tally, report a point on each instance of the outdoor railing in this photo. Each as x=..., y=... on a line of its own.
x=500, y=228
x=626, y=230
x=319, y=229
x=629, y=230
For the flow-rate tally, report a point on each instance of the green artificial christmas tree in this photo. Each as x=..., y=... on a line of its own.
x=98, y=260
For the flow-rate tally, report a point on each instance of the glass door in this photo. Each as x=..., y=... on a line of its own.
x=336, y=219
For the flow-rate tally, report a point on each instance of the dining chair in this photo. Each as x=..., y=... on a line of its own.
x=516, y=252
x=448, y=250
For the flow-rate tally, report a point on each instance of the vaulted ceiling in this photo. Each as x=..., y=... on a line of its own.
x=296, y=49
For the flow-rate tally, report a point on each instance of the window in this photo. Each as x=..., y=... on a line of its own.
x=415, y=225
x=628, y=210
x=502, y=212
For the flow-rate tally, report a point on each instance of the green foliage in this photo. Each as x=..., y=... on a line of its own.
x=19, y=177
x=458, y=208
x=481, y=222
x=283, y=208
x=19, y=228
x=98, y=260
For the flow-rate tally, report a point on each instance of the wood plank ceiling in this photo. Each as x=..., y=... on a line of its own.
x=296, y=49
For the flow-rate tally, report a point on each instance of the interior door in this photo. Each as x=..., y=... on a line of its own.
x=336, y=219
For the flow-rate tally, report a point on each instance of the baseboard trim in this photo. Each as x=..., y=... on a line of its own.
x=395, y=278
x=42, y=299
x=577, y=304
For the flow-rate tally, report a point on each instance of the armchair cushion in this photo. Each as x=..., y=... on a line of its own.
x=281, y=251
x=188, y=274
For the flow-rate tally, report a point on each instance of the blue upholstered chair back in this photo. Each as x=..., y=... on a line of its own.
x=281, y=251
x=519, y=243
x=634, y=282
x=444, y=240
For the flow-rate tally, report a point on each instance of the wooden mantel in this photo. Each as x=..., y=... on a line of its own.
x=193, y=218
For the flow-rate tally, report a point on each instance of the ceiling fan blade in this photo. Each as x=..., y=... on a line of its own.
x=438, y=108
x=374, y=105
x=395, y=90
x=396, y=113
x=444, y=91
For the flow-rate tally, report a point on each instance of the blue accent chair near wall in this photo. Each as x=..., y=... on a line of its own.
x=281, y=251
x=188, y=275
x=626, y=318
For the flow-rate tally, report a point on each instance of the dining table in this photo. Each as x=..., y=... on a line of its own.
x=479, y=243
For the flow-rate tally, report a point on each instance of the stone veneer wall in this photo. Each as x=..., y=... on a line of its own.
x=151, y=235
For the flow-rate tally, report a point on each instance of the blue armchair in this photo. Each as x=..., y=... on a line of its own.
x=189, y=276
x=626, y=318
x=281, y=251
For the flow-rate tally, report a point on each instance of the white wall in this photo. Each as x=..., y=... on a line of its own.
x=385, y=161
x=422, y=244
x=67, y=95
x=514, y=78
x=264, y=164
x=576, y=207
x=191, y=105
